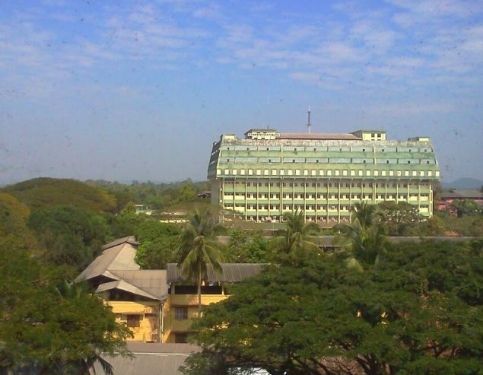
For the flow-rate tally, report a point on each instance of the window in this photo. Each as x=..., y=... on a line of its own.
x=181, y=313
x=133, y=321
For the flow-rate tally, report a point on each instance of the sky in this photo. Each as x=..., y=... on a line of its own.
x=139, y=90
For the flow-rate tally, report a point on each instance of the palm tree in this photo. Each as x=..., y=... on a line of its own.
x=297, y=234
x=364, y=238
x=364, y=213
x=198, y=249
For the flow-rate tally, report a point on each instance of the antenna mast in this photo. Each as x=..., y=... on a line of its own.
x=309, y=125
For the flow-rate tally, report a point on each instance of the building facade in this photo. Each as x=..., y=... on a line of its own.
x=156, y=305
x=268, y=173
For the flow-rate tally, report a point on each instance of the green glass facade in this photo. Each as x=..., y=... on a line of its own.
x=268, y=173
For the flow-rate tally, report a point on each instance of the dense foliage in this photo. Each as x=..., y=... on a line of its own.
x=71, y=236
x=155, y=195
x=419, y=311
x=247, y=247
x=375, y=306
x=48, y=192
x=46, y=322
x=158, y=244
x=399, y=218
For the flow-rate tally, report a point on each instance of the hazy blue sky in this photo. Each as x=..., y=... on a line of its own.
x=124, y=90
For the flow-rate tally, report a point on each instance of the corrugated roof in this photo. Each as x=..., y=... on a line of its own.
x=116, y=257
x=124, y=286
x=116, y=263
x=463, y=194
x=317, y=136
x=231, y=272
x=150, y=359
x=118, y=241
x=153, y=282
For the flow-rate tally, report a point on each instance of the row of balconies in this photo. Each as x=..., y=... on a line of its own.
x=269, y=190
x=307, y=198
x=307, y=208
x=326, y=154
x=326, y=169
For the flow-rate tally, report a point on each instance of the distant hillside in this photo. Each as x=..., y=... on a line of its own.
x=46, y=192
x=464, y=183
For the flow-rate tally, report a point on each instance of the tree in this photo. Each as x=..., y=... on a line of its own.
x=419, y=313
x=297, y=234
x=158, y=244
x=433, y=226
x=246, y=247
x=70, y=235
x=364, y=238
x=364, y=213
x=13, y=223
x=48, y=324
x=199, y=249
x=398, y=218
x=466, y=207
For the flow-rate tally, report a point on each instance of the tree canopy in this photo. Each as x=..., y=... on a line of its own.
x=71, y=235
x=49, y=324
x=419, y=311
x=48, y=192
x=399, y=218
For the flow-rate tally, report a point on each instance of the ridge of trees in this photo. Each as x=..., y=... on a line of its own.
x=47, y=192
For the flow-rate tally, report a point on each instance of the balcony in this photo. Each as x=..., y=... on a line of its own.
x=128, y=307
x=192, y=299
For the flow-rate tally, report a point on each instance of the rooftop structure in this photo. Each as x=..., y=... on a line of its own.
x=156, y=305
x=269, y=173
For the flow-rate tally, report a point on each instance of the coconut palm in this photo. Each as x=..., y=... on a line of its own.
x=198, y=249
x=364, y=238
x=297, y=234
x=364, y=213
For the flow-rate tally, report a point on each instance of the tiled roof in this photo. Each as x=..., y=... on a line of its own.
x=231, y=272
x=118, y=255
x=129, y=239
x=116, y=268
x=462, y=194
x=150, y=281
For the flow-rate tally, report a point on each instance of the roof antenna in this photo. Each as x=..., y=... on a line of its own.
x=309, y=125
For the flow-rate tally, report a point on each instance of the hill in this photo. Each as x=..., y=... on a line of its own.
x=48, y=192
x=464, y=183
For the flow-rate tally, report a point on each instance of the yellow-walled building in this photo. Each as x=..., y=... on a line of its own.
x=157, y=305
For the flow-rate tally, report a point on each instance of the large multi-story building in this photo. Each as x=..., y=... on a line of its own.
x=269, y=173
